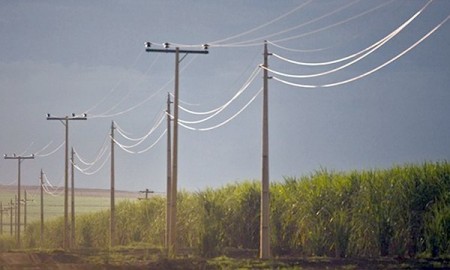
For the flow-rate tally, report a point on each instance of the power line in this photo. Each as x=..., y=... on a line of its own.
x=262, y=25
x=334, y=24
x=300, y=50
x=100, y=154
x=51, y=152
x=26, y=149
x=257, y=69
x=370, y=48
x=43, y=148
x=370, y=71
x=144, y=100
x=257, y=41
x=48, y=183
x=153, y=145
x=185, y=102
x=143, y=138
x=130, y=89
x=303, y=76
x=115, y=87
x=227, y=120
x=124, y=148
x=53, y=194
x=85, y=171
x=221, y=108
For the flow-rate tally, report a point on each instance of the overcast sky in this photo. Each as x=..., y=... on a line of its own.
x=64, y=57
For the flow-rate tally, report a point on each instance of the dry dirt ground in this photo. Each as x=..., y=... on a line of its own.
x=62, y=260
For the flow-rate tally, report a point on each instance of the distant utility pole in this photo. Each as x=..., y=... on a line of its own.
x=11, y=209
x=24, y=211
x=1, y=218
x=42, y=208
x=146, y=191
x=25, y=204
x=2, y=210
x=72, y=197
x=65, y=120
x=19, y=162
x=264, y=247
x=173, y=196
x=169, y=165
x=16, y=205
x=112, y=228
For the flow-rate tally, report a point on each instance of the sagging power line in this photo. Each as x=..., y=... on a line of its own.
x=368, y=72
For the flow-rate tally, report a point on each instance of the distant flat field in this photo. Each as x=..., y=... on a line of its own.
x=86, y=201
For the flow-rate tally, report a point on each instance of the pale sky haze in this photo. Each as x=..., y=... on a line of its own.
x=64, y=57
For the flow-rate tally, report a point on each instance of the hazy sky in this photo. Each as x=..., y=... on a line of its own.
x=64, y=57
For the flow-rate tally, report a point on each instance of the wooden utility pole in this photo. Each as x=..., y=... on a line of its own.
x=146, y=191
x=264, y=248
x=2, y=210
x=65, y=121
x=169, y=171
x=24, y=210
x=16, y=205
x=172, y=248
x=19, y=162
x=72, y=197
x=1, y=218
x=25, y=207
x=173, y=197
x=11, y=209
x=113, y=207
x=25, y=204
x=42, y=208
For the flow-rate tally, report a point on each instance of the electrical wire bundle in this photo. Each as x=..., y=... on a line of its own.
x=352, y=59
x=138, y=141
x=189, y=124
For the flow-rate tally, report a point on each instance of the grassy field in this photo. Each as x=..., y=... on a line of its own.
x=86, y=201
x=397, y=218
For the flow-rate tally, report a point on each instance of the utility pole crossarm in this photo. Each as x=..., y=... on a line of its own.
x=172, y=51
x=73, y=117
x=168, y=50
x=19, y=157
